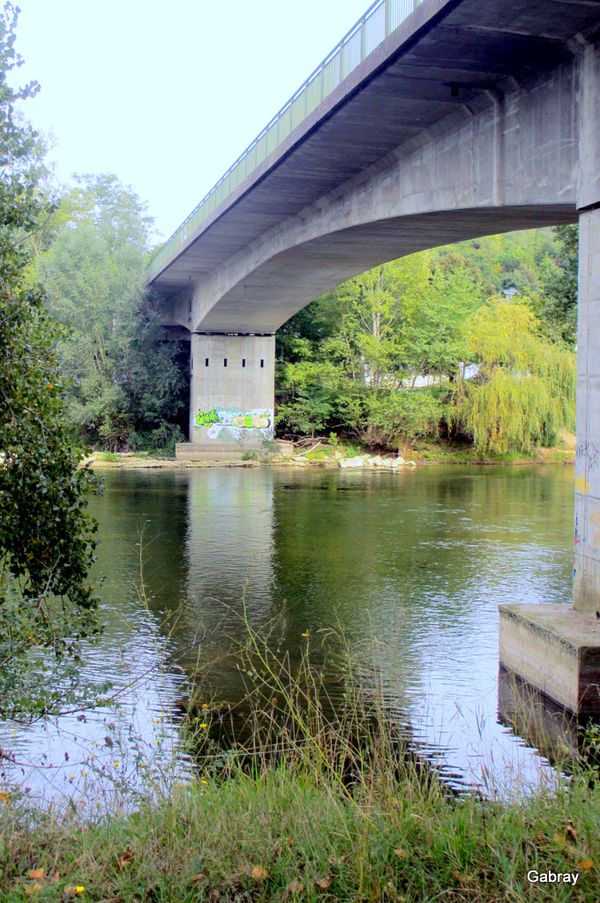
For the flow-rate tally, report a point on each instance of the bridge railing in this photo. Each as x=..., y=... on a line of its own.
x=379, y=21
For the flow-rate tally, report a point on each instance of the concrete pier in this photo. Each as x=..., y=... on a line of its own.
x=557, y=647
x=232, y=391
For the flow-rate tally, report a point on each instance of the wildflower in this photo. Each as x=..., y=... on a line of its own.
x=204, y=705
x=116, y=763
x=203, y=781
x=204, y=724
x=305, y=634
x=79, y=888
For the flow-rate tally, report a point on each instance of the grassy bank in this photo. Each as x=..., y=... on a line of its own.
x=307, y=805
x=286, y=833
x=321, y=453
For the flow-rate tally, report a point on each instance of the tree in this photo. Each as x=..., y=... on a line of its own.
x=46, y=537
x=525, y=390
x=127, y=382
x=559, y=307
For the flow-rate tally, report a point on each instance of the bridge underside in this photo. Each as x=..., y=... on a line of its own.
x=475, y=117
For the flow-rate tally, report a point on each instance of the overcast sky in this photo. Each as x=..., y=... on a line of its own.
x=166, y=95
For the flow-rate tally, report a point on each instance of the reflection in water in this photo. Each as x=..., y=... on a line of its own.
x=544, y=724
x=409, y=567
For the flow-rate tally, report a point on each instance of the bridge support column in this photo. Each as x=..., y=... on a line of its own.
x=231, y=395
x=557, y=647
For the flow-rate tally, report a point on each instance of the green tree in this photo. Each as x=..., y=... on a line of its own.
x=525, y=391
x=127, y=382
x=46, y=537
x=559, y=306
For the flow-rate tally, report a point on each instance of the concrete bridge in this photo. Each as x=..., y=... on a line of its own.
x=431, y=122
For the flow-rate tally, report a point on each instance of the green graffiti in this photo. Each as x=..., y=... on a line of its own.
x=206, y=418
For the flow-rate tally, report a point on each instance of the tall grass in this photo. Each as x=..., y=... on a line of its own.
x=299, y=798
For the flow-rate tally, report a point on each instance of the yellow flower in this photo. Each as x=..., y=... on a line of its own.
x=204, y=724
x=79, y=888
x=203, y=781
x=305, y=634
x=116, y=763
x=204, y=705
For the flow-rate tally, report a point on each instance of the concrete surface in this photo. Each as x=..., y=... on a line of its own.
x=232, y=392
x=555, y=648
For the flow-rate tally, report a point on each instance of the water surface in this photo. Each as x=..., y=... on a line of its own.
x=410, y=567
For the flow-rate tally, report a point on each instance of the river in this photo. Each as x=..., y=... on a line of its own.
x=410, y=567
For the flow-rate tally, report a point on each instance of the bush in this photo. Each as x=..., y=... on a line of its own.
x=161, y=440
x=404, y=416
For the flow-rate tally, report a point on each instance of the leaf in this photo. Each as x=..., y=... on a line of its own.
x=33, y=889
x=323, y=883
x=126, y=859
x=36, y=874
x=461, y=877
x=295, y=887
x=259, y=873
x=586, y=864
x=4, y=796
x=401, y=854
x=559, y=839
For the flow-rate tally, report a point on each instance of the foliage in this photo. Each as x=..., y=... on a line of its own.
x=559, y=307
x=402, y=417
x=525, y=391
x=46, y=537
x=356, y=360
x=127, y=382
x=311, y=388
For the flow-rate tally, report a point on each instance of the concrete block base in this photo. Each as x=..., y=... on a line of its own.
x=557, y=650
x=216, y=451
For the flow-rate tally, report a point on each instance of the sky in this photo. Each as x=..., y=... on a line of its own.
x=166, y=95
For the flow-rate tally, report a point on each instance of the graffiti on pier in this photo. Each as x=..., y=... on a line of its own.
x=589, y=452
x=231, y=424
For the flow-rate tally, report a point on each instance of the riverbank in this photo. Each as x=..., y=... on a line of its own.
x=323, y=453
x=291, y=833
x=306, y=804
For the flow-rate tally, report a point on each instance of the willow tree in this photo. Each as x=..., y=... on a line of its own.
x=524, y=392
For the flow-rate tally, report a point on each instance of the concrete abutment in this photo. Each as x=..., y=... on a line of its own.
x=231, y=395
x=557, y=647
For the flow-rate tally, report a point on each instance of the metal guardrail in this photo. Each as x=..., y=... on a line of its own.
x=379, y=21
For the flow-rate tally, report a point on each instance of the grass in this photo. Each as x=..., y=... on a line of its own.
x=290, y=831
x=307, y=802
x=287, y=833
x=108, y=456
x=447, y=453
